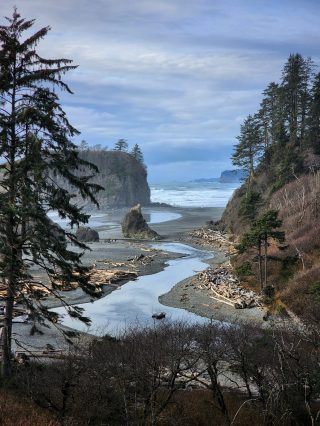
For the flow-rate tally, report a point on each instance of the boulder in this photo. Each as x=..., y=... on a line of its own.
x=159, y=315
x=87, y=235
x=134, y=225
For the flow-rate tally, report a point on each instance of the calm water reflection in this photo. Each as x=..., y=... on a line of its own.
x=136, y=301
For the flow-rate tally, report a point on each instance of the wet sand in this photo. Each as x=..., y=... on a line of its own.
x=115, y=248
x=186, y=295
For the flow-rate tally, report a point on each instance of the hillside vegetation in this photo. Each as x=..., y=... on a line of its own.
x=279, y=146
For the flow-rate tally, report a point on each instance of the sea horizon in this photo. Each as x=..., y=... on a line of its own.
x=193, y=193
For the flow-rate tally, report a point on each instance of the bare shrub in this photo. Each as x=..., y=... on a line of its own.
x=152, y=376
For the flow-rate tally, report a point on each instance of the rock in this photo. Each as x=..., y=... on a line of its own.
x=251, y=304
x=87, y=235
x=236, y=175
x=266, y=316
x=240, y=305
x=159, y=316
x=122, y=177
x=22, y=358
x=134, y=225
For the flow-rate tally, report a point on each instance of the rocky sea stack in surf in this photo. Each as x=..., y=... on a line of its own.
x=134, y=225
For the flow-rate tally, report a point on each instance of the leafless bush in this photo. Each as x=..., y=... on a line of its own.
x=138, y=379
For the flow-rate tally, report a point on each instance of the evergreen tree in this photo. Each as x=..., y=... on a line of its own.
x=261, y=232
x=270, y=114
x=35, y=147
x=296, y=77
x=137, y=154
x=248, y=150
x=314, y=117
x=121, y=145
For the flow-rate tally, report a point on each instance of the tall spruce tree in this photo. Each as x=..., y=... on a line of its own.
x=314, y=116
x=137, y=153
x=248, y=150
x=121, y=145
x=270, y=114
x=262, y=230
x=296, y=78
x=35, y=147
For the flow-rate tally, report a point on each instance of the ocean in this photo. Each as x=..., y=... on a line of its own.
x=193, y=194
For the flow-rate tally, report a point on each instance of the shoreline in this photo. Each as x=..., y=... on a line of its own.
x=119, y=250
x=191, y=295
x=178, y=230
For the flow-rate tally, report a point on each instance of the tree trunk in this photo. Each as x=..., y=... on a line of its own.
x=6, y=369
x=260, y=266
x=265, y=260
x=217, y=393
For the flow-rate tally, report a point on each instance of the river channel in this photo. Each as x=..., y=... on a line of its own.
x=135, y=302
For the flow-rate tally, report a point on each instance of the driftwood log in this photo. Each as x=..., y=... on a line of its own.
x=226, y=288
x=214, y=238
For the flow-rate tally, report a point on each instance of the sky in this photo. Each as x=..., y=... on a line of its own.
x=177, y=77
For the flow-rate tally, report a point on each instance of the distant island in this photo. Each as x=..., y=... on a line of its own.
x=233, y=176
x=227, y=176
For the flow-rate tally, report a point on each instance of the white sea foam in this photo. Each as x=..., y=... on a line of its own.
x=95, y=221
x=211, y=194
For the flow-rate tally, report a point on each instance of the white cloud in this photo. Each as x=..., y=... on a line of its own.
x=170, y=73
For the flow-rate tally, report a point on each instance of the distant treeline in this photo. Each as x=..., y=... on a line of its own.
x=121, y=145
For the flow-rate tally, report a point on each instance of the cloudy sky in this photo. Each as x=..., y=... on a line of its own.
x=175, y=76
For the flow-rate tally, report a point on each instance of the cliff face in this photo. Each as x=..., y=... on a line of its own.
x=123, y=178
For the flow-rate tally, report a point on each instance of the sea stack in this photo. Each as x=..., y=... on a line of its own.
x=134, y=225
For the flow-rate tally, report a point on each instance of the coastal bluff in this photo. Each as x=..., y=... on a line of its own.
x=123, y=178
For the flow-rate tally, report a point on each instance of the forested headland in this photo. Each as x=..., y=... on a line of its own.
x=279, y=147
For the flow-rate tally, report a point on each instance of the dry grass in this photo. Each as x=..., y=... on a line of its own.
x=196, y=408
x=298, y=203
x=19, y=411
x=300, y=294
x=290, y=270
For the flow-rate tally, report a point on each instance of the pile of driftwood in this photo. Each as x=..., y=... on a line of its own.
x=142, y=259
x=100, y=277
x=213, y=238
x=3, y=291
x=139, y=259
x=226, y=288
x=27, y=288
